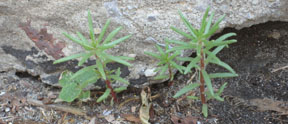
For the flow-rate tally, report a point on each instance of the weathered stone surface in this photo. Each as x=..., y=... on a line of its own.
x=147, y=20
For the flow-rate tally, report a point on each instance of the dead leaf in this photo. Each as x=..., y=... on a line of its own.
x=43, y=40
x=133, y=109
x=145, y=107
x=131, y=118
x=271, y=105
x=93, y=121
x=186, y=120
x=109, y=118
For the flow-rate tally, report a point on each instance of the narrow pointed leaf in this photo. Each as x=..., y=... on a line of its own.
x=92, y=79
x=85, y=41
x=186, y=89
x=224, y=37
x=208, y=82
x=100, y=69
x=160, y=77
x=176, y=42
x=113, y=43
x=222, y=75
x=104, y=95
x=116, y=59
x=111, y=35
x=82, y=43
x=205, y=110
x=160, y=50
x=187, y=23
x=182, y=33
x=120, y=89
x=85, y=58
x=207, y=28
x=122, y=80
x=223, y=64
x=69, y=58
x=91, y=28
x=178, y=67
x=221, y=89
x=101, y=35
x=204, y=23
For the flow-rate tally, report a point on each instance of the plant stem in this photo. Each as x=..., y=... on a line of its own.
x=108, y=83
x=202, y=82
x=112, y=91
x=170, y=76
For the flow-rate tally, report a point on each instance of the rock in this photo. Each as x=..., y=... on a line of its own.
x=33, y=48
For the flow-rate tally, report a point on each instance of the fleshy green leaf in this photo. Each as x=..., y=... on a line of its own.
x=104, y=95
x=82, y=71
x=70, y=92
x=186, y=89
x=208, y=82
x=69, y=58
x=205, y=110
x=91, y=79
x=65, y=78
x=224, y=37
x=84, y=95
x=222, y=75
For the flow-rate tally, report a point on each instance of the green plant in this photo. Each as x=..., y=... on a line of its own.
x=206, y=54
x=73, y=84
x=166, y=59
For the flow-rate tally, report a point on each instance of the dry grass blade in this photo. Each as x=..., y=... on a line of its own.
x=278, y=69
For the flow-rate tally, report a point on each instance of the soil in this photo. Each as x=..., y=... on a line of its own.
x=259, y=95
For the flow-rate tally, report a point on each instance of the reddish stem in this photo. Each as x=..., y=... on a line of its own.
x=170, y=76
x=112, y=91
x=202, y=82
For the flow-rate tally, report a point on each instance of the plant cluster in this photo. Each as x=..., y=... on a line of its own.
x=74, y=83
x=206, y=54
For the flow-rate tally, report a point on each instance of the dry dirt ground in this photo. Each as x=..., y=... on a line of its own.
x=259, y=95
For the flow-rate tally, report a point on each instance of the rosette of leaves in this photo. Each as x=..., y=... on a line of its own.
x=73, y=84
x=166, y=62
x=206, y=54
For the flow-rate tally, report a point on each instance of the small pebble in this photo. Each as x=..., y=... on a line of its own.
x=150, y=72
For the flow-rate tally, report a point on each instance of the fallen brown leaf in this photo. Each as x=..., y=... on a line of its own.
x=271, y=105
x=186, y=120
x=131, y=118
x=145, y=107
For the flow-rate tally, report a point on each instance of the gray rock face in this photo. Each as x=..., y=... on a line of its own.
x=33, y=46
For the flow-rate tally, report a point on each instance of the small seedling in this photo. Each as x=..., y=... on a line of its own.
x=73, y=84
x=166, y=59
x=206, y=54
